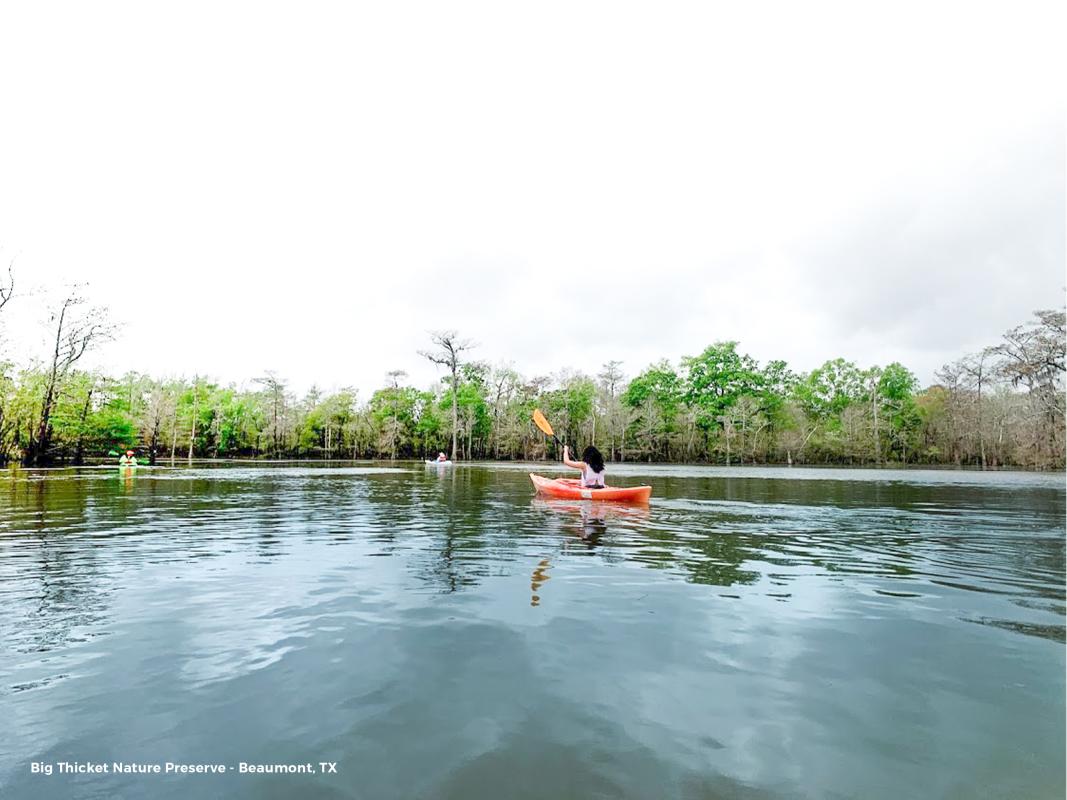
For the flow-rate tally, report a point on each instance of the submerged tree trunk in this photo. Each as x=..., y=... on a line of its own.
x=39, y=443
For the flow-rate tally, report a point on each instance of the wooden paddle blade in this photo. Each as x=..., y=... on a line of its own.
x=542, y=423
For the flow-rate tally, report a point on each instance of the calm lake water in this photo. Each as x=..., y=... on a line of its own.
x=441, y=633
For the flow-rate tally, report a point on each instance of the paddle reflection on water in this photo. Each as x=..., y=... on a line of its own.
x=540, y=575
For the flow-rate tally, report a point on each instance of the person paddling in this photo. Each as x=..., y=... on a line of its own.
x=441, y=457
x=127, y=460
x=591, y=466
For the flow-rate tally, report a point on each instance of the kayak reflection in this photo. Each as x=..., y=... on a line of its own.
x=587, y=519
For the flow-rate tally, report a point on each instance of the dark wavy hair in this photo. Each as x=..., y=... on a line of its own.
x=592, y=457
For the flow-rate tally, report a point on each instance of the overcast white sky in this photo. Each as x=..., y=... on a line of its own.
x=311, y=187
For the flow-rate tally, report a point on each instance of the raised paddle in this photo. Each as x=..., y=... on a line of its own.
x=543, y=424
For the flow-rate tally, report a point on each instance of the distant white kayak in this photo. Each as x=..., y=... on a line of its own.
x=439, y=463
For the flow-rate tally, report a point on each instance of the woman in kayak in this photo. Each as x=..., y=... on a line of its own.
x=591, y=465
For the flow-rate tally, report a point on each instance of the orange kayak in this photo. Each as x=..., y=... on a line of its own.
x=572, y=490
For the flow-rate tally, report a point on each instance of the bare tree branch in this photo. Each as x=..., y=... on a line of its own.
x=76, y=333
x=1034, y=354
x=7, y=287
x=449, y=348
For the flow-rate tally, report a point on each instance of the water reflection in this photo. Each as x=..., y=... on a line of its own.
x=589, y=520
x=53, y=593
x=539, y=577
x=453, y=527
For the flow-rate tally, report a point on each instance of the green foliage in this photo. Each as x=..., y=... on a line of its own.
x=827, y=391
x=897, y=386
x=715, y=379
x=235, y=419
x=720, y=405
x=655, y=397
x=896, y=383
x=430, y=433
x=473, y=409
x=112, y=426
x=571, y=405
x=658, y=386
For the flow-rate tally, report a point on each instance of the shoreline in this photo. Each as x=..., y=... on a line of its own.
x=180, y=463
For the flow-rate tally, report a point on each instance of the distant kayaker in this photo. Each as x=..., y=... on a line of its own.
x=591, y=466
x=442, y=457
x=127, y=460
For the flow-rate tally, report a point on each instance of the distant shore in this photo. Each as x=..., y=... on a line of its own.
x=543, y=464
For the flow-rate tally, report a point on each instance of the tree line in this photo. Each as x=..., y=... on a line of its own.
x=1001, y=406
